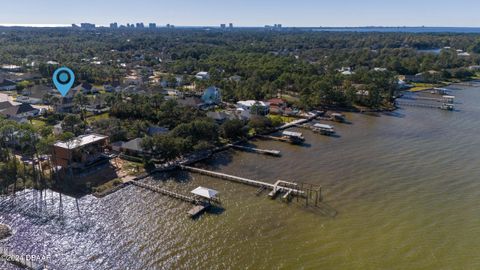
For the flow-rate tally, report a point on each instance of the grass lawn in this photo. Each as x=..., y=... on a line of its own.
x=108, y=185
x=38, y=123
x=284, y=119
x=421, y=87
x=290, y=98
x=94, y=118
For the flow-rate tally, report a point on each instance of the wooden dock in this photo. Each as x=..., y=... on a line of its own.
x=442, y=99
x=257, y=150
x=295, y=123
x=11, y=257
x=169, y=193
x=423, y=105
x=197, y=210
x=279, y=186
x=275, y=138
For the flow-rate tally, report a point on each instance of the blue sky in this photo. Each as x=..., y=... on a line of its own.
x=245, y=12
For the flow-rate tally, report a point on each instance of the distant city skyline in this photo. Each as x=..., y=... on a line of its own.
x=308, y=13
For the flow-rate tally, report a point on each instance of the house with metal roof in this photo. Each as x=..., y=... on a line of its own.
x=80, y=152
x=19, y=113
x=8, y=85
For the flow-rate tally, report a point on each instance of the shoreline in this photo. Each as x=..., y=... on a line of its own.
x=357, y=110
x=5, y=231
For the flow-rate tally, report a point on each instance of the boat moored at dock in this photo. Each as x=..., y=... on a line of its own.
x=338, y=117
x=447, y=107
x=293, y=137
x=323, y=129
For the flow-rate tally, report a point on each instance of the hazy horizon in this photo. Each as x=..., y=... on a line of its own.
x=248, y=13
x=239, y=26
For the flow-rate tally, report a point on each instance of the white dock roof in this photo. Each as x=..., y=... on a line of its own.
x=205, y=192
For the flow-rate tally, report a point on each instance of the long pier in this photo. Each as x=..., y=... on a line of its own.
x=19, y=260
x=423, y=105
x=169, y=193
x=279, y=186
x=296, y=122
x=256, y=150
x=446, y=100
x=275, y=138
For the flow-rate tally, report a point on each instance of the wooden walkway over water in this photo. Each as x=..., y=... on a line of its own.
x=275, y=138
x=256, y=150
x=442, y=99
x=422, y=105
x=280, y=186
x=169, y=193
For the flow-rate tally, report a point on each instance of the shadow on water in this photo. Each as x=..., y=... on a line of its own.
x=178, y=176
x=322, y=208
x=336, y=136
x=216, y=210
x=305, y=144
x=394, y=114
x=220, y=159
x=212, y=210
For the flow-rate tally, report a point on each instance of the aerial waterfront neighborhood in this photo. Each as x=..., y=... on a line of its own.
x=131, y=140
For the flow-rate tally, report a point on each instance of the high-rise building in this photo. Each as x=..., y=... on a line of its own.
x=152, y=25
x=87, y=25
x=223, y=26
x=230, y=25
x=114, y=25
x=140, y=25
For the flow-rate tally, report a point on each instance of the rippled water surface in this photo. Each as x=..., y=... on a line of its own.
x=404, y=186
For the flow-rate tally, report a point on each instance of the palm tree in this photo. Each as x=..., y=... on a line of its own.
x=54, y=101
x=81, y=102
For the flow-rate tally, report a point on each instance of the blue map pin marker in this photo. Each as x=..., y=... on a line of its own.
x=63, y=78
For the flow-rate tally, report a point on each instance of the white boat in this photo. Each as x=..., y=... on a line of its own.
x=447, y=106
x=294, y=137
x=338, y=117
x=323, y=129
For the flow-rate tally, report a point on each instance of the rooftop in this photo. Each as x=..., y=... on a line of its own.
x=81, y=141
x=250, y=103
x=134, y=145
x=18, y=109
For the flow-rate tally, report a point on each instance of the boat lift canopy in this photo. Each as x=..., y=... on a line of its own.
x=205, y=192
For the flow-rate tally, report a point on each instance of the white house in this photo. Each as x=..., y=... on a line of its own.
x=202, y=75
x=346, y=71
x=11, y=68
x=29, y=100
x=254, y=107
